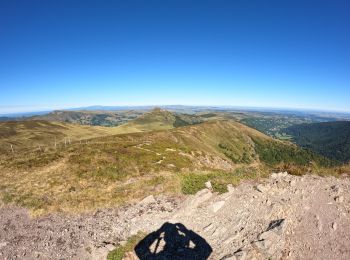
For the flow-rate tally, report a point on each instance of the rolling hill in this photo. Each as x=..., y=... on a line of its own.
x=32, y=134
x=116, y=169
x=330, y=139
x=158, y=119
x=89, y=117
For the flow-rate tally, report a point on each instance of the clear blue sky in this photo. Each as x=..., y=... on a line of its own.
x=70, y=53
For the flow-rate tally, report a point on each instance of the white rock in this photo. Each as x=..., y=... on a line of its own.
x=274, y=175
x=148, y=200
x=262, y=244
x=217, y=205
x=262, y=188
x=200, y=197
x=334, y=226
x=208, y=185
x=268, y=236
x=230, y=188
x=208, y=227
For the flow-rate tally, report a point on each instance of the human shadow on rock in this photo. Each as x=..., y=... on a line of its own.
x=173, y=241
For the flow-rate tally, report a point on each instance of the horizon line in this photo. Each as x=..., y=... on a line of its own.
x=48, y=110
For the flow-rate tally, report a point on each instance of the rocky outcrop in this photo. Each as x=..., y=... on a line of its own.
x=284, y=216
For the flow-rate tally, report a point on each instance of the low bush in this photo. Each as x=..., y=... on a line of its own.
x=194, y=182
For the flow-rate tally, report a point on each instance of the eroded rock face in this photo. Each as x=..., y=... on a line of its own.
x=285, y=216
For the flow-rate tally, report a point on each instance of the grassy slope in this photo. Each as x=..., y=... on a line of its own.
x=83, y=117
x=29, y=135
x=158, y=119
x=112, y=170
x=331, y=139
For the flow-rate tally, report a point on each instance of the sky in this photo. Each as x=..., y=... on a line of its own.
x=63, y=53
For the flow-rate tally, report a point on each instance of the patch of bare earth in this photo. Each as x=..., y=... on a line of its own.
x=284, y=217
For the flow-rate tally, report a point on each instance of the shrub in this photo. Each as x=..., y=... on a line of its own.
x=194, y=182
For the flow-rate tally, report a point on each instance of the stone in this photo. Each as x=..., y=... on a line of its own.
x=148, y=200
x=274, y=229
x=240, y=255
x=277, y=225
x=262, y=244
x=261, y=188
x=215, y=207
x=268, y=236
x=334, y=226
x=274, y=175
x=110, y=247
x=230, y=188
x=208, y=227
x=200, y=197
x=292, y=183
x=336, y=188
x=208, y=185
x=339, y=199
x=229, y=257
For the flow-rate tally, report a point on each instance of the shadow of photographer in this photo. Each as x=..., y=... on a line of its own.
x=173, y=241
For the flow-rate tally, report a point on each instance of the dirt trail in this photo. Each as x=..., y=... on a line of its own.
x=285, y=217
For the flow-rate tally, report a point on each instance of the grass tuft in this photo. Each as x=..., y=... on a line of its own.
x=119, y=252
x=194, y=182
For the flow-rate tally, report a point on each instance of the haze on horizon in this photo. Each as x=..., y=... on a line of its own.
x=281, y=54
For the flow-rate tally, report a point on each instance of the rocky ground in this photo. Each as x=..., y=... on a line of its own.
x=284, y=217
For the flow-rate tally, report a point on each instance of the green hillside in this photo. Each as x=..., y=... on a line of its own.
x=84, y=117
x=112, y=170
x=38, y=134
x=330, y=139
x=159, y=119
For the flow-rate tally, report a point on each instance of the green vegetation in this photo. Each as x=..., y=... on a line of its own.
x=118, y=253
x=273, y=153
x=193, y=182
x=330, y=139
x=96, y=118
x=273, y=124
x=42, y=135
x=234, y=153
x=113, y=170
x=159, y=119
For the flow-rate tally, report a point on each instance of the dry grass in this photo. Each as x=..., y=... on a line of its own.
x=36, y=135
x=112, y=170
